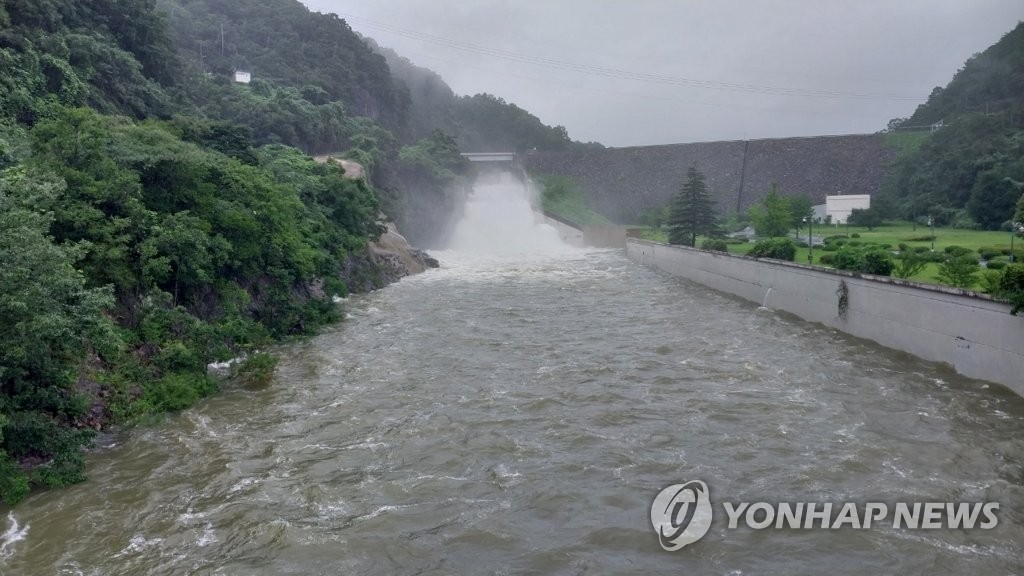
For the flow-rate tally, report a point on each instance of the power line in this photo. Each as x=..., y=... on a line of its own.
x=619, y=74
x=652, y=96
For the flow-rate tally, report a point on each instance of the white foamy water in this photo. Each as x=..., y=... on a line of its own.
x=500, y=222
x=13, y=535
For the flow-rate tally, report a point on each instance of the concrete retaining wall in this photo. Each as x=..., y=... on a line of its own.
x=974, y=334
x=569, y=234
x=604, y=236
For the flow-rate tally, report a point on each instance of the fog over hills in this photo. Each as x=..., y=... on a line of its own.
x=653, y=72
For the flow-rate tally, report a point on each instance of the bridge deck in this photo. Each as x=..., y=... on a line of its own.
x=490, y=156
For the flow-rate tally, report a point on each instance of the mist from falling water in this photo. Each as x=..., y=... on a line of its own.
x=499, y=221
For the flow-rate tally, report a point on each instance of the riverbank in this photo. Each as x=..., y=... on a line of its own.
x=973, y=333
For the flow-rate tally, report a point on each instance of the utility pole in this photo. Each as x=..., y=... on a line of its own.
x=221, y=38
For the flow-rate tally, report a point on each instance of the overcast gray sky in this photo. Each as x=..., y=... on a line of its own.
x=639, y=72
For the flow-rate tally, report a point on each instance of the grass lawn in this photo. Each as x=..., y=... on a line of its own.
x=904, y=233
x=892, y=234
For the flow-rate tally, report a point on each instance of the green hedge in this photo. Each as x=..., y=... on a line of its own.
x=777, y=248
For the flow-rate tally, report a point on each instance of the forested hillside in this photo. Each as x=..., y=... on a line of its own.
x=969, y=171
x=322, y=88
x=139, y=243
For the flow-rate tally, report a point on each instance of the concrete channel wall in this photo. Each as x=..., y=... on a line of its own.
x=567, y=232
x=974, y=334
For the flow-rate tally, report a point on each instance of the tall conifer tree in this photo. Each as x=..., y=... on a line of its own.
x=693, y=211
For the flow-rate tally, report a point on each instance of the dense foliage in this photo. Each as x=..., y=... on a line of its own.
x=281, y=41
x=133, y=258
x=969, y=171
x=144, y=232
x=561, y=196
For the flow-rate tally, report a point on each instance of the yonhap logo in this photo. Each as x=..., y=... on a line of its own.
x=681, y=514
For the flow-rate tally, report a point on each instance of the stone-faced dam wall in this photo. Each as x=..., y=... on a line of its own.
x=623, y=182
x=974, y=334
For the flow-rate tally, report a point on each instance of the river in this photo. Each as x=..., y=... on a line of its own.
x=517, y=411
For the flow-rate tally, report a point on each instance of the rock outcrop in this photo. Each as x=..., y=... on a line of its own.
x=390, y=258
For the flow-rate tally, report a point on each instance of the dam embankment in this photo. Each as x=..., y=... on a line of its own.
x=623, y=182
x=974, y=334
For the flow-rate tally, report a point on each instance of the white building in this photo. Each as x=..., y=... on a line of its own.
x=243, y=77
x=840, y=207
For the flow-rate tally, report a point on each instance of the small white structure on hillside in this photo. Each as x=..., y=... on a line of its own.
x=243, y=77
x=840, y=207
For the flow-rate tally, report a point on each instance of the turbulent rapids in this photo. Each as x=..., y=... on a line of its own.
x=517, y=411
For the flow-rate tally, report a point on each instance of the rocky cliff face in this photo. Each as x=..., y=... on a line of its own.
x=397, y=258
x=623, y=182
x=387, y=260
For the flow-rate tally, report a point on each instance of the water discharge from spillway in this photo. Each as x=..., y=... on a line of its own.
x=500, y=221
x=516, y=412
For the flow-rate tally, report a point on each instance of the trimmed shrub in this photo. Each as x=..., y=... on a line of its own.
x=855, y=235
x=878, y=262
x=827, y=260
x=995, y=265
x=777, y=248
x=989, y=253
x=849, y=259
x=957, y=250
x=869, y=260
x=714, y=245
x=990, y=280
x=1011, y=286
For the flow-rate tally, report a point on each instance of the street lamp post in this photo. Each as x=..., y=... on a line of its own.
x=931, y=226
x=810, y=241
x=1015, y=228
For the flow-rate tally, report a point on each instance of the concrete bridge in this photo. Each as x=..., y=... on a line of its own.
x=502, y=157
x=490, y=166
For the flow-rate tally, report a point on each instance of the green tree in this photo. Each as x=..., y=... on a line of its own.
x=655, y=218
x=800, y=208
x=870, y=218
x=909, y=263
x=771, y=217
x=693, y=211
x=993, y=199
x=1011, y=287
x=48, y=321
x=960, y=271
